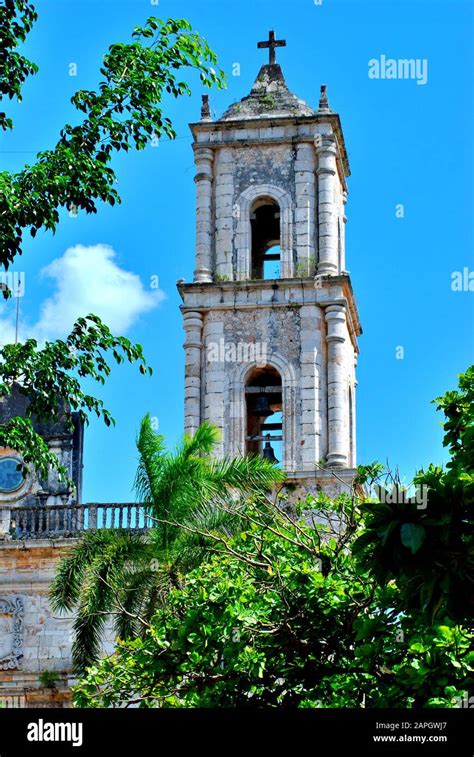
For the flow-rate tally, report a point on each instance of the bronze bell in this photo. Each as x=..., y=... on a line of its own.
x=262, y=407
x=268, y=453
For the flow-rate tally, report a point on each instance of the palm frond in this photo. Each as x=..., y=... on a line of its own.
x=97, y=599
x=249, y=473
x=111, y=573
x=67, y=584
x=152, y=459
x=139, y=586
x=96, y=570
x=201, y=443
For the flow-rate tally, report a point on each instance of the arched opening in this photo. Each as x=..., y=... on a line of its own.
x=264, y=413
x=266, y=237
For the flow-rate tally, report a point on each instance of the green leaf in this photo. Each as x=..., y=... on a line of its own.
x=412, y=536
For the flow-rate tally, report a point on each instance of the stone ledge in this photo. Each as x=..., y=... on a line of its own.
x=340, y=481
x=30, y=544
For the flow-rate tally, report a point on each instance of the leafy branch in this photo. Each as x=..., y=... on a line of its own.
x=123, y=113
x=50, y=378
x=16, y=21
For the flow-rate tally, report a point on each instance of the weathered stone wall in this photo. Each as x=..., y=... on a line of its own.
x=33, y=639
x=293, y=326
x=26, y=572
x=299, y=166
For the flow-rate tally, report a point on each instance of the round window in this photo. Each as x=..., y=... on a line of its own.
x=11, y=477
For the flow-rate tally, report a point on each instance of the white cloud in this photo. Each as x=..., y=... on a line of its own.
x=87, y=280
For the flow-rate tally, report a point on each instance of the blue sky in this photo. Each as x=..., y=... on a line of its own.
x=408, y=143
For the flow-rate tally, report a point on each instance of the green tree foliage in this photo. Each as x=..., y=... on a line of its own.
x=280, y=619
x=16, y=21
x=126, y=576
x=123, y=113
x=290, y=612
x=429, y=549
x=50, y=377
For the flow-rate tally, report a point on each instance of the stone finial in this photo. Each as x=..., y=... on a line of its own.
x=323, y=99
x=205, y=109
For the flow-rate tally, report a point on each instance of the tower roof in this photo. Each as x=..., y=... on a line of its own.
x=270, y=97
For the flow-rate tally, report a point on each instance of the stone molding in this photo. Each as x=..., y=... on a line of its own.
x=13, y=606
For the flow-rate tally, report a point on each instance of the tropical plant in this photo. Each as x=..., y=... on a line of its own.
x=303, y=613
x=49, y=679
x=429, y=549
x=284, y=617
x=128, y=576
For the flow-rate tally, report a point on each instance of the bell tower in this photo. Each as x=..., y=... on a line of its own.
x=271, y=323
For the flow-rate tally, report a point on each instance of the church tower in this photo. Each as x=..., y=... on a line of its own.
x=270, y=319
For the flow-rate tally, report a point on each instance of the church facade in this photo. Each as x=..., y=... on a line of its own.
x=270, y=319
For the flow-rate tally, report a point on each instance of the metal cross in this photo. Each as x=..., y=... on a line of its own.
x=272, y=43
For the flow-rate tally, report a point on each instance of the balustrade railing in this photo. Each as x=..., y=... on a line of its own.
x=63, y=521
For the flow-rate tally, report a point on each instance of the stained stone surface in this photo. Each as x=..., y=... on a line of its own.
x=270, y=97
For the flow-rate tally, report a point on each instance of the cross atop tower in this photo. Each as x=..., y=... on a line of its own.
x=271, y=44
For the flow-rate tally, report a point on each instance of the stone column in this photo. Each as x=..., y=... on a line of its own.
x=224, y=212
x=310, y=392
x=343, y=232
x=57, y=489
x=305, y=217
x=5, y=519
x=338, y=431
x=204, y=158
x=327, y=177
x=354, y=415
x=192, y=384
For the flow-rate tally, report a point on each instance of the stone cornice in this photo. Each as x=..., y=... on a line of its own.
x=276, y=293
x=248, y=124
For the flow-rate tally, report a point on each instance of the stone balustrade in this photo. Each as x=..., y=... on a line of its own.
x=69, y=521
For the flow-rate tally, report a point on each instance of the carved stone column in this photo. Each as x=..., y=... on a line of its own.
x=204, y=158
x=343, y=232
x=5, y=520
x=327, y=177
x=305, y=209
x=338, y=431
x=354, y=415
x=193, y=323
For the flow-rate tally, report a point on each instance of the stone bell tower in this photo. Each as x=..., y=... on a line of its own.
x=270, y=319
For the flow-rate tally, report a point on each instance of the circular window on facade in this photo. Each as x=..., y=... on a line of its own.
x=11, y=476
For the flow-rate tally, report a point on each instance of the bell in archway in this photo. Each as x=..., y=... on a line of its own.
x=262, y=407
x=268, y=453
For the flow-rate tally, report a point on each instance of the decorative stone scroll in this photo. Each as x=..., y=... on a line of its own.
x=11, y=632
